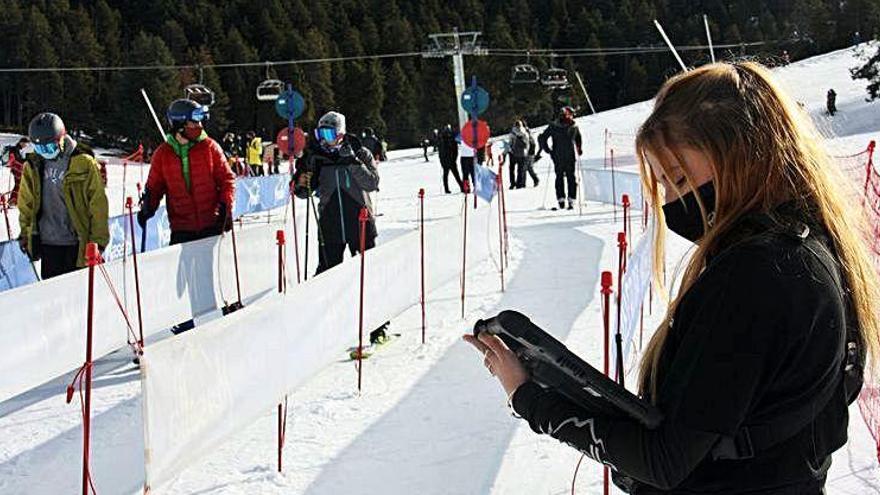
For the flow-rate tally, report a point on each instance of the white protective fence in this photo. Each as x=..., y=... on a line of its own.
x=609, y=186
x=45, y=323
x=206, y=384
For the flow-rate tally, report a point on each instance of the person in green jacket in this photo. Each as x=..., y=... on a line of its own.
x=62, y=203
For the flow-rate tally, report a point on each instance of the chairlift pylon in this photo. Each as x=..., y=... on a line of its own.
x=270, y=89
x=198, y=92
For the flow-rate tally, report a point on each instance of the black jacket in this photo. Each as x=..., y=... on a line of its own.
x=566, y=142
x=447, y=147
x=342, y=180
x=761, y=333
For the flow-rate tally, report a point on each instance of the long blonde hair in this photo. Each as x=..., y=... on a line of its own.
x=763, y=150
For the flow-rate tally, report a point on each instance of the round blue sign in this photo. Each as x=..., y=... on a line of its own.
x=475, y=100
x=290, y=102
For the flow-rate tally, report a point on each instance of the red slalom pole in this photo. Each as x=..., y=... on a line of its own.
x=362, y=218
x=500, y=184
x=93, y=258
x=621, y=269
x=422, y=243
x=124, y=176
x=467, y=189
x=129, y=204
x=282, y=288
x=5, y=207
x=295, y=235
x=625, y=202
x=607, y=280
x=613, y=187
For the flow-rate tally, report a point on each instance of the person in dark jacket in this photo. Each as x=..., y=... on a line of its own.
x=533, y=156
x=447, y=148
x=566, y=150
x=518, y=149
x=831, y=102
x=341, y=171
x=765, y=343
x=372, y=142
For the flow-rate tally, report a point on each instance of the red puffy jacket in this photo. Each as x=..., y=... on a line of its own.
x=211, y=183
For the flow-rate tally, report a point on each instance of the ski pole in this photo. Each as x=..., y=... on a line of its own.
x=362, y=219
x=308, y=221
x=137, y=283
x=422, y=252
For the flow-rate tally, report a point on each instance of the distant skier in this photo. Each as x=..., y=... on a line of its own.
x=831, y=102
x=62, y=205
x=13, y=157
x=447, y=149
x=518, y=149
x=255, y=153
x=426, y=143
x=565, y=151
x=371, y=141
x=533, y=156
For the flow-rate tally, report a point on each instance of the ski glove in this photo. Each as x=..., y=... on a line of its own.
x=224, y=218
x=145, y=212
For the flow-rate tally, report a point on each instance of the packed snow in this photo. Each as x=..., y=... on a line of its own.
x=430, y=419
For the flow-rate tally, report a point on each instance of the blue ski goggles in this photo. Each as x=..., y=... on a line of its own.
x=47, y=150
x=326, y=134
x=199, y=114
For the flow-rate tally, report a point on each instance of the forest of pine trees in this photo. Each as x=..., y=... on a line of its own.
x=402, y=98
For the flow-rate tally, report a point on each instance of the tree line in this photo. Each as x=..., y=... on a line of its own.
x=402, y=98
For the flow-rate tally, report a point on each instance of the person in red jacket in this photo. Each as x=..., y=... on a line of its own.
x=189, y=168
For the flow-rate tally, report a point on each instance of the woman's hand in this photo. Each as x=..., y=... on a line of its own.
x=500, y=361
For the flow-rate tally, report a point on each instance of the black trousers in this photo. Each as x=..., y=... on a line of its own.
x=528, y=165
x=179, y=237
x=565, y=174
x=330, y=255
x=467, y=170
x=517, y=171
x=57, y=260
x=450, y=167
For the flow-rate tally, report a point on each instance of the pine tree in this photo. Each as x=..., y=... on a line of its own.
x=161, y=85
x=400, y=109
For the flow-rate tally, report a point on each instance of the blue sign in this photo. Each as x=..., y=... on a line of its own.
x=15, y=267
x=290, y=104
x=475, y=100
x=485, y=183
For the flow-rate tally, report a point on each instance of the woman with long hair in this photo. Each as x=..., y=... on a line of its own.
x=764, y=346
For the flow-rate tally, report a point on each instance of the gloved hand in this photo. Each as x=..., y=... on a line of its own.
x=537, y=158
x=305, y=179
x=23, y=244
x=143, y=215
x=224, y=218
x=580, y=151
x=145, y=212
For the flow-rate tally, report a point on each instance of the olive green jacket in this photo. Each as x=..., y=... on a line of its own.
x=84, y=196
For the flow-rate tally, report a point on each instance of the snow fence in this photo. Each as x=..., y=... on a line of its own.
x=45, y=323
x=204, y=385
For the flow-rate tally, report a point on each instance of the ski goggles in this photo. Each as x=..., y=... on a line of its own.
x=47, y=150
x=326, y=134
x=199, y=114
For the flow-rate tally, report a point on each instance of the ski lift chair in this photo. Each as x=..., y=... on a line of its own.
x=555, y=78
x=270, y=89
x=200, y=94
x=524, y=74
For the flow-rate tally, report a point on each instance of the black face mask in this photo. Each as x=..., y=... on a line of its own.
x=683, y=215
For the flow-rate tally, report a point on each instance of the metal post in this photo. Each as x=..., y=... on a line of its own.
x=422, y=251
x=362, y=218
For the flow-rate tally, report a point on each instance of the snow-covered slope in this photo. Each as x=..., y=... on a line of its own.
x=431, y=420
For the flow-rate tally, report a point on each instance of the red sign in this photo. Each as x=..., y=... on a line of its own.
x=299, y=141
x=467, y=133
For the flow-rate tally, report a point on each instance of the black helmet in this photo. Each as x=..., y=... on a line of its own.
x=46, y=128
x=181, y=111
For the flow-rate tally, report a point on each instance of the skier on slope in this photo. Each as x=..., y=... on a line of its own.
x=191, y=172
x=447, y=149
x=62, y=203
x=341, y=171
x=518, y=150
x=566, y=138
